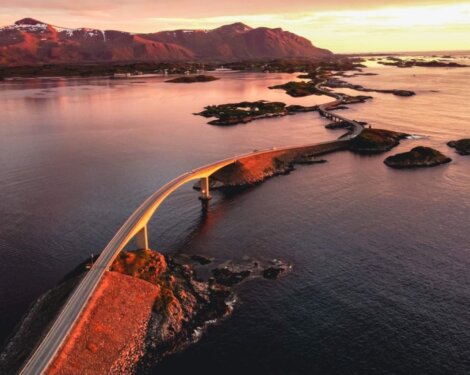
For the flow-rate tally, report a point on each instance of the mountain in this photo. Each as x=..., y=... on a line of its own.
x=29, y=41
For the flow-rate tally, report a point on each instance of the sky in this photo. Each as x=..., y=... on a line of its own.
x=340, y=25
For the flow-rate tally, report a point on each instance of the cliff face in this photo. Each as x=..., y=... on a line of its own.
x=29, y=41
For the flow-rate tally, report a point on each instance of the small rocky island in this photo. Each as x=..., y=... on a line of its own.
x=462, y=146
x=373, y=141
x=338, y=83
x=418, y=157
x=298, y=89
x=193, y=79
x=244, y=112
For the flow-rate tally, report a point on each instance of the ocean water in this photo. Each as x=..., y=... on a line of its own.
x=380, y=281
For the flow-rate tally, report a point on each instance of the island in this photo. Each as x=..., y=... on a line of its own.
x=418, y=157
x=244, y=112
x=462, y=146
x=298, y=89
x=402, y=63
x=338, y=83
x=193, y=79
x=373, y=141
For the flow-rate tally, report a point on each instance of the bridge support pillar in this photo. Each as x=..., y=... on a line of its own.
x=142, y=239
x=205, y=193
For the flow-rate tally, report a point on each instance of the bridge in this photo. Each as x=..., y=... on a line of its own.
x=135, y=227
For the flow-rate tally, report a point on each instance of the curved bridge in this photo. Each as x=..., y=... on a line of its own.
x=136, y=227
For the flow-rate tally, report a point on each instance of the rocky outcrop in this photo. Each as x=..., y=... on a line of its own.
x=193, y=79
x=274, y=272
x=298, y=89
x=228, y=277
x=373, y=141
x=462, y=146
x=418, y=157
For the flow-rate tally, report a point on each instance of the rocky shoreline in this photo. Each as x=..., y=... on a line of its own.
x=180, y=306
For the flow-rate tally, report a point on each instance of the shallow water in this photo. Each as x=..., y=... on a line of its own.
x=380, y=281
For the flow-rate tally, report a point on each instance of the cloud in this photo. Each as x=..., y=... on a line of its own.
x=127, y=9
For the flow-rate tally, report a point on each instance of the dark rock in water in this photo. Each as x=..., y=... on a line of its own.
x=273, y=272
x=462, y=146
x=401, y=92
x=339, y=125
x=227, y=277
x=193, y=79
x=373, y=141
x=416, y=158
x=201, y=259
x=309, y=160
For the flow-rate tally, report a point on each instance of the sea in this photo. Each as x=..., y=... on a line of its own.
x=380, y=280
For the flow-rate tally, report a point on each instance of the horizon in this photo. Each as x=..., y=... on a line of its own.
x=342, y=28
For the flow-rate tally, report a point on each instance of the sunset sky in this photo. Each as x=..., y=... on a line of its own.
x=340, y=25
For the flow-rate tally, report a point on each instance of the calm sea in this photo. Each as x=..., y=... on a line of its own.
x=380, y=281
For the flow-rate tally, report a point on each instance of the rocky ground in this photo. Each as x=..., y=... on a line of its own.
x=418, y=157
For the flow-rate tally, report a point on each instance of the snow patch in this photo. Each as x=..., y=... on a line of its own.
x=39, y=27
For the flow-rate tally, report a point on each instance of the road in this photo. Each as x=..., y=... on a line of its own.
x=47, y=350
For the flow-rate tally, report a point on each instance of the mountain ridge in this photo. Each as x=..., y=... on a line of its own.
x=29, y=41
